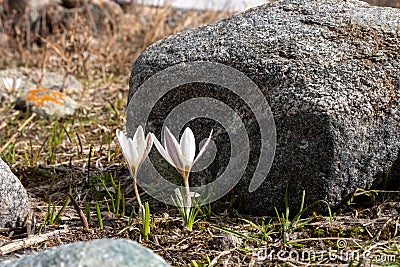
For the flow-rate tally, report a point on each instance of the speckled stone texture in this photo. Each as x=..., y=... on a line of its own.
x=330, y=70
x=101, y=252
x=14, y=202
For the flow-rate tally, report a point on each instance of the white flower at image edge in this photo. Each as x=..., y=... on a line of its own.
x=12, y=84
x=181, y=155
x=135, y=149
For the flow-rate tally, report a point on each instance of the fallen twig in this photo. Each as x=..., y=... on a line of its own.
x=80, y=213
x=29, y=241
x=18, y=131
x=222, y=254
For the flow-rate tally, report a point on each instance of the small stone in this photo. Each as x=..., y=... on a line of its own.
x=53, y=80
x=55, y=96
x=101, y=252
x=48, y=102
x=102, y=14
x=225, y=242
x=14, y=202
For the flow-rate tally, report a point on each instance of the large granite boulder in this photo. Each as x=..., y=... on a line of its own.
x=330, y=71
x=101, y=252
x=14, y=202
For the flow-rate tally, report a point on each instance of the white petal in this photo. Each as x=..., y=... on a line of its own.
x=139, y=142
x=138, y=136
x=194, y=195
x=18, y=83
x=149, y=144
x=204, y=147
x=120, y=136
x=121, y=140
x=188, y=146
x=162, y=151
x=8, y=83
x=173, y=149
x=133, y=152
x=125, y=146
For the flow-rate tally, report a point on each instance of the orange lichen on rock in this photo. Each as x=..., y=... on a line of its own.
x=40, y=96
x=48, y=102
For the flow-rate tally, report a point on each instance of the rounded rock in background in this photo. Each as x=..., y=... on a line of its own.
x=102, y=15
x=48, y=96
x=52, y=80
x=105, y=14
x=14, y=202
x=12, y=12
x=47, y=102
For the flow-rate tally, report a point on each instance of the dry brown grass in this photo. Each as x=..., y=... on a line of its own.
x=85, y=49
x=102, y=61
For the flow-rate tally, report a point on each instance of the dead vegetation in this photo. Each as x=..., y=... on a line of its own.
x=78, y=156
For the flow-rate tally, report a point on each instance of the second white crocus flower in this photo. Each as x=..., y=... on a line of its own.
x=182, y=156
x=135, y=151
x=12, y=84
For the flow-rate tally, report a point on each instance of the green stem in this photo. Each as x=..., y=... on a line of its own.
x=188, y=201
x=141, y=207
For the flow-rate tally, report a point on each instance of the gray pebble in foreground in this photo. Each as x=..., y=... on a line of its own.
x=330, y=71
x=14, y=201
x=96, y=253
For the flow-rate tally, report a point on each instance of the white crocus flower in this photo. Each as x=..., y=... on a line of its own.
x=12, y=84
x=135, y=151
x=182, y=156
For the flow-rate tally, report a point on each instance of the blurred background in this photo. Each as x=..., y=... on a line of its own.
x=102, y=37
x=239, y=5
x=236, y=5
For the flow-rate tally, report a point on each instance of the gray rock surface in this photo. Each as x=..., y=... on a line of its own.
x=14, y=202
x=101, y=252
x=329, y=69
x=47, y=102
